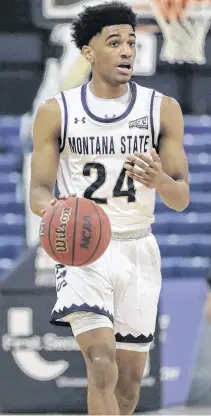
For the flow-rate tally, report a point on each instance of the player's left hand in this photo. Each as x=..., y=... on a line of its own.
x=54, y=200
x=146, y=170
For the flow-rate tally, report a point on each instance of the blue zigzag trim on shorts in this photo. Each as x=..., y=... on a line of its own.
x=77, y=308
x=140, y=339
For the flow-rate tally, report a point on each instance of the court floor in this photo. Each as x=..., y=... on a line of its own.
x=182, y=411
x=175, y=411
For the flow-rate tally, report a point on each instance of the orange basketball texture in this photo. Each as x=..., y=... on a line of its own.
x=75, y=231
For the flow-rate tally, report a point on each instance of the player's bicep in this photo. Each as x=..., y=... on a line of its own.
x=171, y=149
x=45, y=157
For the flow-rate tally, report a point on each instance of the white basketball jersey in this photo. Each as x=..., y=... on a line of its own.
x=93, y=151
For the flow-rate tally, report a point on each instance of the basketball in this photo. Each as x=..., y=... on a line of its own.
x=75, y=231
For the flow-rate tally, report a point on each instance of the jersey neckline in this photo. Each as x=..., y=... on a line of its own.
x=133, y=91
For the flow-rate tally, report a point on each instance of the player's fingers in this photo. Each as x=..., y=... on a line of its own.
x=66, y=196
x=52, y=202
x=129, y=167
x=136, y=161
x=155, y=156
x=137, y=165
x=63, y=196
x=136, y=171
x=151, y=163
x=139, y=156
x=139, y=179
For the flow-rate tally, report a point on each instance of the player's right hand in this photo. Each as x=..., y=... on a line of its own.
x=54, y=200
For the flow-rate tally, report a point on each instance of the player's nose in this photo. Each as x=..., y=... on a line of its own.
x=126, y=51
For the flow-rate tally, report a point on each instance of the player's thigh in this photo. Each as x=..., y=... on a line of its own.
x=98, y=344
x=94, y=334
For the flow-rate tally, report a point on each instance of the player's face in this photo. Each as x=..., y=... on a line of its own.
x=114, y=52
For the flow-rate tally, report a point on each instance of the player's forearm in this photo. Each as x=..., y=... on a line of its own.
x=174, y=194
x=40, y=198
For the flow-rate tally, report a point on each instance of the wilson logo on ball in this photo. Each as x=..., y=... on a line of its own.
x=61, y=231
x=86, y=232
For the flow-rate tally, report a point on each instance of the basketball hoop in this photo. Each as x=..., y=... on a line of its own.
x=184, y=24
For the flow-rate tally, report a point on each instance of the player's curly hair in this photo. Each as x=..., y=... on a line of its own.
x=93, y=19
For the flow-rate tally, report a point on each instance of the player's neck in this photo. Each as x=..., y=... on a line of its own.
x=102, y=89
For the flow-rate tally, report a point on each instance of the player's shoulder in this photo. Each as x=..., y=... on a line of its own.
x=72, y=92
x=169, y=101
x=48, y=112
x=141, y=90
x=169, y=105
x=171, y=112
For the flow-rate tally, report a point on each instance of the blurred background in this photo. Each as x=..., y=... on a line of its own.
x=41, y=368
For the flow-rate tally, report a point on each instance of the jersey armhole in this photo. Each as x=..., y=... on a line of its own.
x=155, y=104
x=60, y=98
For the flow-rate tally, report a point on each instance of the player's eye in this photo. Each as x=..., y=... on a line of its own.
x=114, y=44
x=132, y=44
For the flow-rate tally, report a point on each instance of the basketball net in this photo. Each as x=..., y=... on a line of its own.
x=184, y=25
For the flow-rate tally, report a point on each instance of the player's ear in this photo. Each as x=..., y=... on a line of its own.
x=88, y=54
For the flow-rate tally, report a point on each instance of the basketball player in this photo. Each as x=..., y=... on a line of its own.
x=107, y=151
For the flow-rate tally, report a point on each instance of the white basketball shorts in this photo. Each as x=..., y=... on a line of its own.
x=122, y=288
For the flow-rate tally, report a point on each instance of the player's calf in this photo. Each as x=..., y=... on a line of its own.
x=127, y=395
x=131, y=366
x=102, y=375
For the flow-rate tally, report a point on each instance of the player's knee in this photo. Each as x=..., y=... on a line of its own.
x=101, y=366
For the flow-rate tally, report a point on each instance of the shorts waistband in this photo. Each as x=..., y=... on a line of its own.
x=131, y=235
